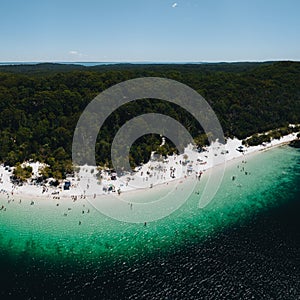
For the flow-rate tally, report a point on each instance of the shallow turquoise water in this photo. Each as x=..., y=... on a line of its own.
x=42, y=232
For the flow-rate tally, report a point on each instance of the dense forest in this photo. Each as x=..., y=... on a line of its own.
x=41, y=104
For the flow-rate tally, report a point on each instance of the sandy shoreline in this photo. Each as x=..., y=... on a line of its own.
x=53, y=196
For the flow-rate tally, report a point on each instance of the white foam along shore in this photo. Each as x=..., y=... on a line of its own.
x=189, y=165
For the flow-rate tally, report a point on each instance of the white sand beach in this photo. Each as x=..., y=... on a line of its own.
x=151, y=177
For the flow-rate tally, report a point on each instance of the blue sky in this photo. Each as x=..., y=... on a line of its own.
x=152, y=30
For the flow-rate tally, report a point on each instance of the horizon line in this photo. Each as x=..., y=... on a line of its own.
x=147, y=62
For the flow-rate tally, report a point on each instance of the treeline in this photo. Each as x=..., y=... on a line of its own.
x=40, y=106
x=276, y=134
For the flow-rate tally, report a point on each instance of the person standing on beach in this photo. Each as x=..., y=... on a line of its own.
x=200, y=174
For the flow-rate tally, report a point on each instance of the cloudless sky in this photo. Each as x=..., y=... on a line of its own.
x=152, y=30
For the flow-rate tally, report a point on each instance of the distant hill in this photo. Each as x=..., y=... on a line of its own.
x=184, y=67
x=40, y=68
